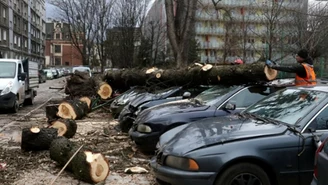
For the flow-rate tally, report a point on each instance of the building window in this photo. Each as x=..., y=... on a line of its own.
x=4, y=13
x=57, y=61
x=25, y=43
x=66, y=63
x=4, y=35
x=57, y=49
x=15, y=39
x=57, y=36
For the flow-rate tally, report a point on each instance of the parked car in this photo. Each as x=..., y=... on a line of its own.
x=123, y=99
x=146, y=100
x=42, y=76
x=82, y=69
x=321, y=164
x=155, y=121
x=269, y=143
x=49, y=74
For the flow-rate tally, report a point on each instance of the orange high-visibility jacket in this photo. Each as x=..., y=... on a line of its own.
x=310, y=78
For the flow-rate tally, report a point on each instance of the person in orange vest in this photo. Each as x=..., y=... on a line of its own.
x=304, y=70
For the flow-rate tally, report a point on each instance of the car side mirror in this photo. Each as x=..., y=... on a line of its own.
x=22, y=76
x=230, y=106
x=186, y=95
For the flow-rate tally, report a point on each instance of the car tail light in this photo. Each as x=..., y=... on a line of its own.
x=316, y=157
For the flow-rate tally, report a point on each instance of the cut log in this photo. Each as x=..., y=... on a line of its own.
x=86, y=165
x=87, y=100
x=104, y=90
x=191, y=76
x=35, y=139
x=51, y=112
x=72, y=109
x=66, y=127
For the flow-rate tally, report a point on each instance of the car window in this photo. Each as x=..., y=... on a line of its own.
x=249, y=96
x=325, y=148
x=321, y=121
x=289, y=105
x=214, y=95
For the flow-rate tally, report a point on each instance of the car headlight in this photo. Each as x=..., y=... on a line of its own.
x=143, y=128
x=7, y=89
x=181, y=163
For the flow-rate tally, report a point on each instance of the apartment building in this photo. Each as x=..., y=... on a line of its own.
x=22, y=29
x=60, y=50
x=241, y=28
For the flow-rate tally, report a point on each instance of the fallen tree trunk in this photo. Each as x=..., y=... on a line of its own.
x=86, y=166
x=51, y=112
x=72, y=109
x=35, y=139
x=81, y=84
x=87, y=100
x=66, y=127
x=193, y=76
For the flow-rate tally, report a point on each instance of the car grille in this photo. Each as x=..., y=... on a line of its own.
x=160, y=158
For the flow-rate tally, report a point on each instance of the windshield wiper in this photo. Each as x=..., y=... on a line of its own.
x=254, y=116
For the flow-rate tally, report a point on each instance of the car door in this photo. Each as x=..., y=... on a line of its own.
x=244, y=98
x=307, y=151
x=323, y=165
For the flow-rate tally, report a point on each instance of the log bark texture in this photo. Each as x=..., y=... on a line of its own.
x=72, y=109
x=81, y=84
x=87, y=166
x=66, y=127
x=193, y=76
x=51, y=112
x=37, y=141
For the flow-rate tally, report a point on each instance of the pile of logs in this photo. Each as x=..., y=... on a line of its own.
x=85, y=165
x=81, y=84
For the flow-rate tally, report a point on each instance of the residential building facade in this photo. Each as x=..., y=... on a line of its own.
x=246, y=29
x=22, y=29
x=60, y=49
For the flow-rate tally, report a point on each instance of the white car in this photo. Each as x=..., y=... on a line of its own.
x=82, y=69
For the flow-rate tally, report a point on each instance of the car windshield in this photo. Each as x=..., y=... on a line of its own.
x=7, y=69
x=288, y=106
x=213, y=95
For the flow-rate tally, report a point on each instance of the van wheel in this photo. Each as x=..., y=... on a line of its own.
x=243, y=173
x=29, y=101
x=15, y=107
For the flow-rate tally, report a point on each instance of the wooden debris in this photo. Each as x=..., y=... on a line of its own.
x=135, y=170
x=34, y=139
x=86, y=165
x=72, y=109
x=66, y=127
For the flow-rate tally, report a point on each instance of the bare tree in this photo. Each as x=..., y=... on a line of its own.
x=103, y=20
x=180, y=22
x=124, y=37
x=313, y=29
x=79, y=14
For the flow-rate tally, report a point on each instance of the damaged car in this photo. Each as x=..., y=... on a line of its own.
x=145, y=100
x=214, y=102
x=123, y=99
x=269, y=143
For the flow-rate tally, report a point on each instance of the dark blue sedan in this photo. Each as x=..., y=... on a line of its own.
x=269, y=143
x=214, y=102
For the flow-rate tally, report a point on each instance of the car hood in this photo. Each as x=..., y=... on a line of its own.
x=174, y=107
x=219, y=130
x=4, y=82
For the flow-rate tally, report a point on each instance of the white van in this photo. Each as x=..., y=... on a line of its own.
x=82, y=69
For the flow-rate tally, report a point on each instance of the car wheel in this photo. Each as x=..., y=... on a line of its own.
x=243, y=173
x=125, y=124
x=15, y=107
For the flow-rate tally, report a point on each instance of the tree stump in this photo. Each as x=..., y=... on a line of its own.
x=86, y=166
x=104, y=90
x=66, y=127
x=87, y=100
x=72, y=109
x=35, y=139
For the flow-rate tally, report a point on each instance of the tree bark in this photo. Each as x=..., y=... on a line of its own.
x=35, y=139
x=72, y=109
x=65, y=127
x=86, y=166
x=51, y=112
x=192, y=76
